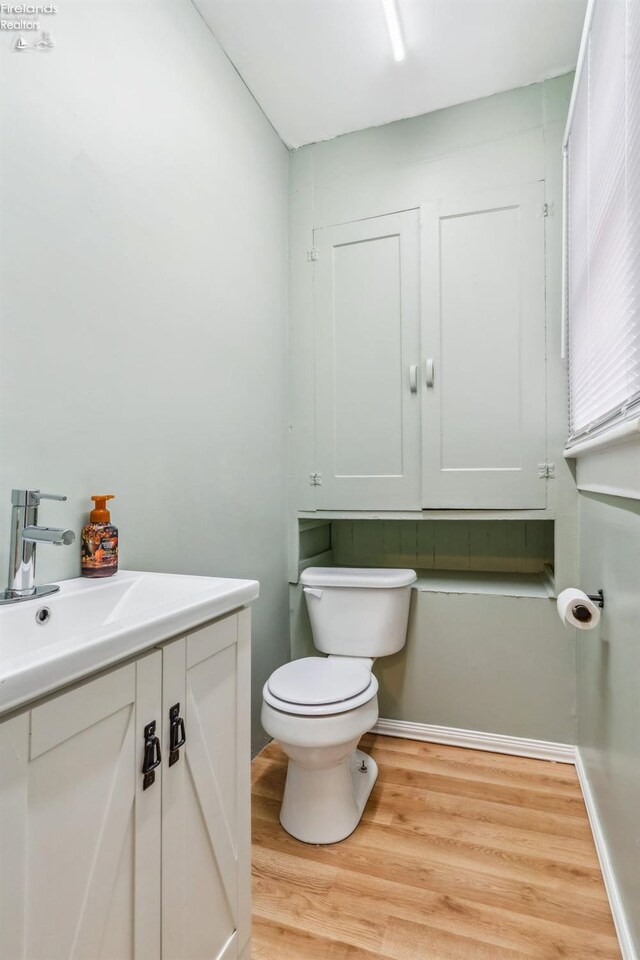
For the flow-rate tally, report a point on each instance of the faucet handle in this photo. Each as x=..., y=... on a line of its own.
x=32, y=498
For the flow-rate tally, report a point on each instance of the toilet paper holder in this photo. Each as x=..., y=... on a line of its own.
x=597, y=598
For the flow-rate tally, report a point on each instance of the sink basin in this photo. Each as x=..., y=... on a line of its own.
x=90, y=624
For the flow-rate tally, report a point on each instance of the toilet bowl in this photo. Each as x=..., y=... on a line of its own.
x=318, y=708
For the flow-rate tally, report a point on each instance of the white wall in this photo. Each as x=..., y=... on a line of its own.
x=144, y=299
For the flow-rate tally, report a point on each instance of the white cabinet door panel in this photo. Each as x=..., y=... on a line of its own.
x=483, y=311
x=367, y=338
x=80, y=876
x=205, y=815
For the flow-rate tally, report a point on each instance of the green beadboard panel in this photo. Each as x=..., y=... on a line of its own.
x=315, y=538
x=516, y=546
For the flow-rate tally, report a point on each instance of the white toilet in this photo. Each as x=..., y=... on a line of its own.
x=319, y=707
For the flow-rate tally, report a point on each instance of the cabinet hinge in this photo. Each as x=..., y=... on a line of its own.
x=547, y=471
x=312, y=255
x=315, y=479
x=545, y=209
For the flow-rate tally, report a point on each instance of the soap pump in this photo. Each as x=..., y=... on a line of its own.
x=100, y=541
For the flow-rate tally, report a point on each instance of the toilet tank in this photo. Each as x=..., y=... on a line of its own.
x=358, y=612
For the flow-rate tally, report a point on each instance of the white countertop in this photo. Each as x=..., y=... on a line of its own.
x=96, y=623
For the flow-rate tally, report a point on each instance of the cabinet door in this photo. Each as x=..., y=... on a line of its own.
x=367, y=323
x=483, y=306
x=79, y=837
x=206, y=858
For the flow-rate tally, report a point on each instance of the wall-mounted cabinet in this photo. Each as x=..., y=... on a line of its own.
x=430, y=356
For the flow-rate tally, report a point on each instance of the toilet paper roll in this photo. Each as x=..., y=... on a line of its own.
x=576, y=610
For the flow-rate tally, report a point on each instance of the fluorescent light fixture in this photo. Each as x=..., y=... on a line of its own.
x=394, y=28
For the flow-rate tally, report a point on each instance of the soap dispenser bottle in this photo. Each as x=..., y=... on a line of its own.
x=100, y=541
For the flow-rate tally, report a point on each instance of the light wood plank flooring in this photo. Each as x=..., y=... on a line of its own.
x=460, y=855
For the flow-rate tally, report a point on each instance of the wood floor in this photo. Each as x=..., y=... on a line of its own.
x=460, y=855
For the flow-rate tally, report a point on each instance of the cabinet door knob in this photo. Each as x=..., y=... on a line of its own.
x=413, y=378
x=177, y=734
x=429, y=371
x=152, y=755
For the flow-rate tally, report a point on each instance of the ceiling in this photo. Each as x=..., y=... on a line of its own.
x=320, y=68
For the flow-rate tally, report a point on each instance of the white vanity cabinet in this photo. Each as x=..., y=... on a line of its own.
x=429, y=332
x=93, y=865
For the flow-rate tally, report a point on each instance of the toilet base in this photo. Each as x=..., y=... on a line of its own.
x=325, y=805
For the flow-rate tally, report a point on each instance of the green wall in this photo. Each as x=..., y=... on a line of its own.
x=609, y=685
x=478, y=660
x=145, y=299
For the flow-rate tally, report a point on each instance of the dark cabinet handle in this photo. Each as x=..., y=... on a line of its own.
x=177, y=734
x=152, y=755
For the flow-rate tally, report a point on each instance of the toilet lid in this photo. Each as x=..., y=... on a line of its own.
x=314, y=681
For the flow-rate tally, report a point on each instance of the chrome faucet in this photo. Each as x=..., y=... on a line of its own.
x=25, y=535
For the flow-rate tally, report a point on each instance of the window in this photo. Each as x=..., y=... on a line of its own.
x=603, y=227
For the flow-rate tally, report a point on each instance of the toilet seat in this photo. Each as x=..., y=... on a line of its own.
x=318, y=686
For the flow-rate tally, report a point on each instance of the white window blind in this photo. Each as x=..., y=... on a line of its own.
x=604, y=220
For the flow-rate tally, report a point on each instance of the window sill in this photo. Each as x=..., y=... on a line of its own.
x=609, y=464
x=623, y=433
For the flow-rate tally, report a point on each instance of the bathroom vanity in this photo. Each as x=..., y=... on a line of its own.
x=125, y=772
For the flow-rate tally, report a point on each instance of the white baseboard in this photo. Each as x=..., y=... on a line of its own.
x=477, y=740
x=617, y=910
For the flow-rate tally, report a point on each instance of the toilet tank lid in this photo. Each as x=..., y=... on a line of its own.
x=356, y=577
